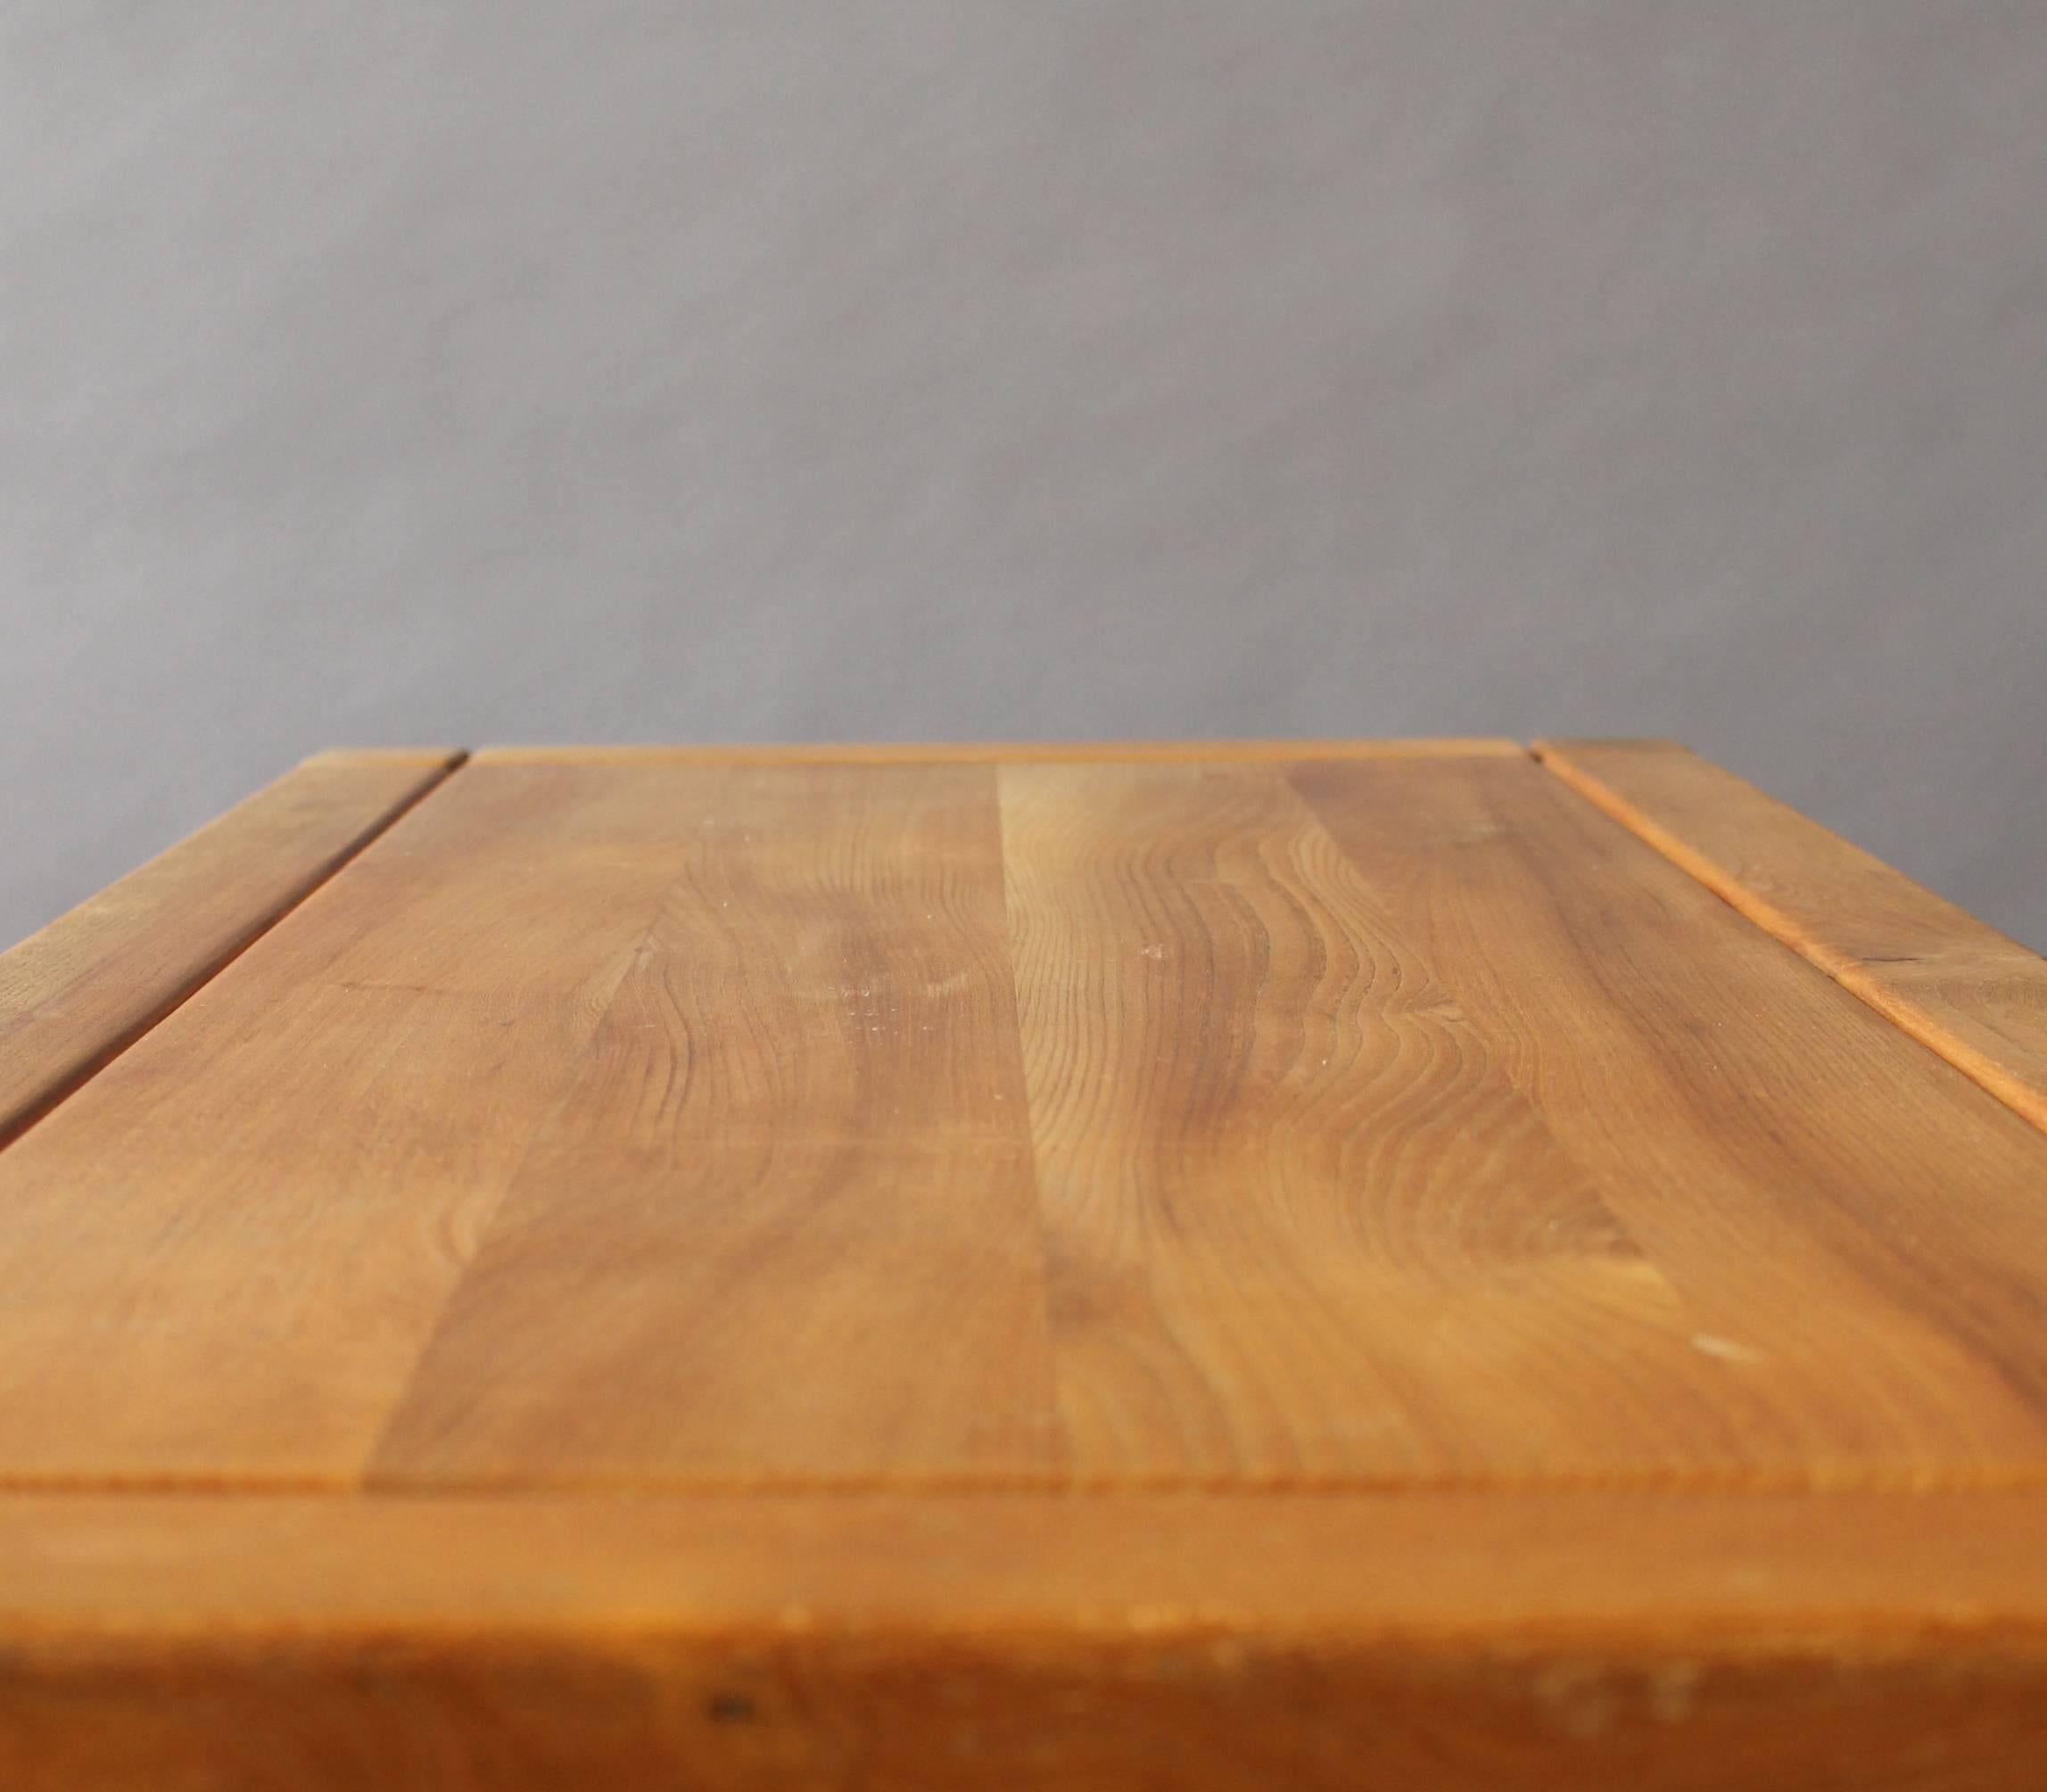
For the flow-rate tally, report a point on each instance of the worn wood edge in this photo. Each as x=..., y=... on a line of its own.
x=427, y=758
x=1620, y=1572
x=1463, y=1642
x=1210, y=1713
x=977, y=753
x=64, y=1076
x=2023, y=1092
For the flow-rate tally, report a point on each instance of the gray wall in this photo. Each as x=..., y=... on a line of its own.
x=377, y=371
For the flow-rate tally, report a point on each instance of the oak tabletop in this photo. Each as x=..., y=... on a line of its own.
x=1313, y=1264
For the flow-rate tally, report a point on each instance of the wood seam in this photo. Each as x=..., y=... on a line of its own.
x=125, y=1039
x=1733, y=1481
x=365, y=1476
x=1903, y=1014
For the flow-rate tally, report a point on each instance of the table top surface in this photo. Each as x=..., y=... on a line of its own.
x=1022, y=1200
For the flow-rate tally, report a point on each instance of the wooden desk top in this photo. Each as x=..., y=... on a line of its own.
x=1391, y=1265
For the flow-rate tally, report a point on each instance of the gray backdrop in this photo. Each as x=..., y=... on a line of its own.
x=373, y=371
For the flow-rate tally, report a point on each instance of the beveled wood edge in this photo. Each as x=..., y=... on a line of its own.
x=979, y=753
x=2003, y=1050
x=32, y=1092
x=427, y=758
x=1704, y=1575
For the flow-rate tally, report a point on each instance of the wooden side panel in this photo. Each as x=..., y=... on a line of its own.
x=1301, y=1226
x=1478, y=1642
x=223, y=1255
x=86, y=986
x=1955, y=984
x=1860, y=1231
x=783, y=1226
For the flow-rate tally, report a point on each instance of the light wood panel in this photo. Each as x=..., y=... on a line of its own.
x=223, y=1256
x=783, y=1224
x=86, y=987
x=1344, y=1122
x=1330, y=1265
x=1462, y=1641
x=1955, y=984
x=1300, y=1224
x=1860, y=1230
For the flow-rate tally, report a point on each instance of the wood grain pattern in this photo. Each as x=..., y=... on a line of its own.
x=1300, y=1224
x=76, y=994
x=1349, y=1122
x=224, y=1254
x=1323, y=1265
x=1957, y=986
x=782, y=1224
x=1473, y=1642
x=1860, y=1230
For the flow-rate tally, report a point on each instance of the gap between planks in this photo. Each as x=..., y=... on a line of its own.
x=14, y=1126
x=1906, y=1014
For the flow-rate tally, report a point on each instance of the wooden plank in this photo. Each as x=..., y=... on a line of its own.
x=223, y=1255
x=1266, y=1125
x=999, y=752
x=657, y=1125
x=1676, y=1642
x=79, y=992
x=1856, y=1225
x=1955, y=984
x=1301, y=1226
x=783, y=1226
